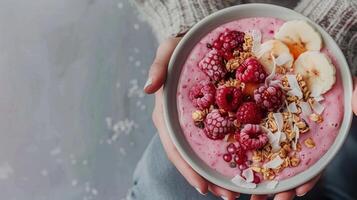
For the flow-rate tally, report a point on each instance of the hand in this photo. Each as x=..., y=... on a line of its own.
x=157, y=76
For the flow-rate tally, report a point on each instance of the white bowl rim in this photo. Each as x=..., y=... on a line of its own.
x=171, y=87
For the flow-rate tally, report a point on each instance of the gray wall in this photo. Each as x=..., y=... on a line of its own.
x=67, y=69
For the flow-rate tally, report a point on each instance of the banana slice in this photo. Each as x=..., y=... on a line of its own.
x=299, y=36
x=280, y=52
x=317, y=70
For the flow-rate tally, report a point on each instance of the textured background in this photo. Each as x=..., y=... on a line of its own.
x=73, y=120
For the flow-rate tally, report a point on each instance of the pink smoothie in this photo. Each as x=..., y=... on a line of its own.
x=211, y=151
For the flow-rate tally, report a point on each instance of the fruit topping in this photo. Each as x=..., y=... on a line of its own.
x=202, y=94
x=277, y=49
x=227, y=42
x=249, y=113
x=318, y=71
x=251, y=71
x=217, y=125
x=253, y=137
x=270, y=98
x=229, y=98
x=299, y=36
x=212, y=65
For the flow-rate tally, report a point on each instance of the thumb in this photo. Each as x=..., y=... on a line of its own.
x=158, y=70
x=354, y=97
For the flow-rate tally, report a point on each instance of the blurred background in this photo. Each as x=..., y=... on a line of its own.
x=74, y=120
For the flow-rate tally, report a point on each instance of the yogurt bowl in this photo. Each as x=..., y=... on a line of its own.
x=197, y=158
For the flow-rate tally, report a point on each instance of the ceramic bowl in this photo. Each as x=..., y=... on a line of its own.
x=178, y=60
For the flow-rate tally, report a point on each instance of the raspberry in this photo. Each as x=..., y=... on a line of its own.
x=249, y=113
x=202, y=94
x=217, y=125
x=251, y=71
x=227, y=42
x=229, y=98
x=253, y=137
x=269, y=97
x=212, y=65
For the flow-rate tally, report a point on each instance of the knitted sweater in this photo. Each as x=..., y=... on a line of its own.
x=337, y=17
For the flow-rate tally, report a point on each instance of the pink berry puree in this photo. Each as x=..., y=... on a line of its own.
x=212, y=151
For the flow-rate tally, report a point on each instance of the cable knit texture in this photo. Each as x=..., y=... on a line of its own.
x=173, y=17
x=337, y=17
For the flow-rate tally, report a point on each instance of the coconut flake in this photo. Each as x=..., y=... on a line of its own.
x=248, y=175
x=273, y=139
x=292, y=108
x=272, y=184
x=297, y=136
x=317, y=107
x=305, y=108
x=275, y=163
x=257, y=39
x=283, y=58
x=269, y=78
x=279, y=120
x=241, y=182
x=319, y=98
x=282, y=137
x=294, y=85
x=260, y=50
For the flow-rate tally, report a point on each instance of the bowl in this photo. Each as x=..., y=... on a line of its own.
x=178, y=59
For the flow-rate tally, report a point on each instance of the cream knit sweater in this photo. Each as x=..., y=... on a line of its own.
x=338, y=17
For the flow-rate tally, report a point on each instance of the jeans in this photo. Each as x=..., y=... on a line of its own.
x=155, y=178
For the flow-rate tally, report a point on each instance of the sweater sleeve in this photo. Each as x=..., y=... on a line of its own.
x=174, y=17
x=339, y=19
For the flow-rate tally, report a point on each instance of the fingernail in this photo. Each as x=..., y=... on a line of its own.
x=300, y=195
x=148, y=82
x=237, y=197
x=200, y=191
x=225, y=198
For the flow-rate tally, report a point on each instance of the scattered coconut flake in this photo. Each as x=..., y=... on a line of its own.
x=55, y=151
x=241, y=182
x=136, y=26
x=317, y=107
x=319, y=98
x=120, y=5
x=273, y=139
x=293, y=108
x=248, y=175
x=272, y=74
x=261, y=50
x=5, y=171
x=282, y=137
x=279, y=120
x=135, y=90
x=74, y=183
x=257, y=39
x=283, y=58
x=44, y=172
x=94, y=191
x=226, y=137
x=275, y=163
x=294, y=85
x=272, y=184
x=297, y=136
x=305, y=108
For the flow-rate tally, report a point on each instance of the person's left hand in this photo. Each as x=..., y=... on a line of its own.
x=157, y=76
